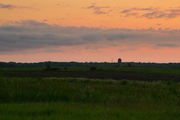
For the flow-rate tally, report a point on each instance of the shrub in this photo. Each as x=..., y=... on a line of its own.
x=92, y=68
x=124, y=82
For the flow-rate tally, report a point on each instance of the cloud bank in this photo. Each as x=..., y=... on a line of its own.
x=32, y=35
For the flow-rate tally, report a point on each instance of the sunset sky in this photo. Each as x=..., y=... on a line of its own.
x=90, y=30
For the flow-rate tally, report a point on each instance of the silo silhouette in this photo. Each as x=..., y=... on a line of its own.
x=119, y=62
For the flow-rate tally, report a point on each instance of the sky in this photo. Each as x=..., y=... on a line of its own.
x=90, y=31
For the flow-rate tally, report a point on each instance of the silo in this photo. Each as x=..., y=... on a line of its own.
x=119, y=62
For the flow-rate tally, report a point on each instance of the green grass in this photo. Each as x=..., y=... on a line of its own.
x=80, y=111
x=88, y=99
x=87, y=90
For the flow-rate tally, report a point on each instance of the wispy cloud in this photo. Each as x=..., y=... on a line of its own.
x=32, y=35
x=7, y=6
x=137, y=9
x=98, y=9
x=152, y=13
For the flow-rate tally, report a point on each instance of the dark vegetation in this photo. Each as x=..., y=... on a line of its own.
x=88, y=99
x=117, y=75
x=130, y=71
x=89, y=91
x=90, y=64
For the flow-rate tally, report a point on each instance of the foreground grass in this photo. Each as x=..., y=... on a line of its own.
x=86, y=99
x=80, y=111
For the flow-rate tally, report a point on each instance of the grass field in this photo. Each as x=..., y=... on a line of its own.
x=162, y=71
x=140, y=74
x=77, y=111
x=88, y=99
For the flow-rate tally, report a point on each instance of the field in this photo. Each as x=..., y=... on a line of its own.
x=140, y=74
x=67, y=95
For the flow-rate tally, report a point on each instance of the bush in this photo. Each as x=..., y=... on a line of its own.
x=92, y=68
x=124, y=82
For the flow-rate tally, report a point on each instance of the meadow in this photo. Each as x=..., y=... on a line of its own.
x=55, y=98
x=140, y=74
x=162, y=71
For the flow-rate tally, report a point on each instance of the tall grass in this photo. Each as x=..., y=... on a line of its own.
x=87, y=90
x=87, y=99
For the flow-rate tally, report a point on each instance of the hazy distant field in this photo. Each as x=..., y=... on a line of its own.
x=88, y=99
x=165, y=71
x=140, y=74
